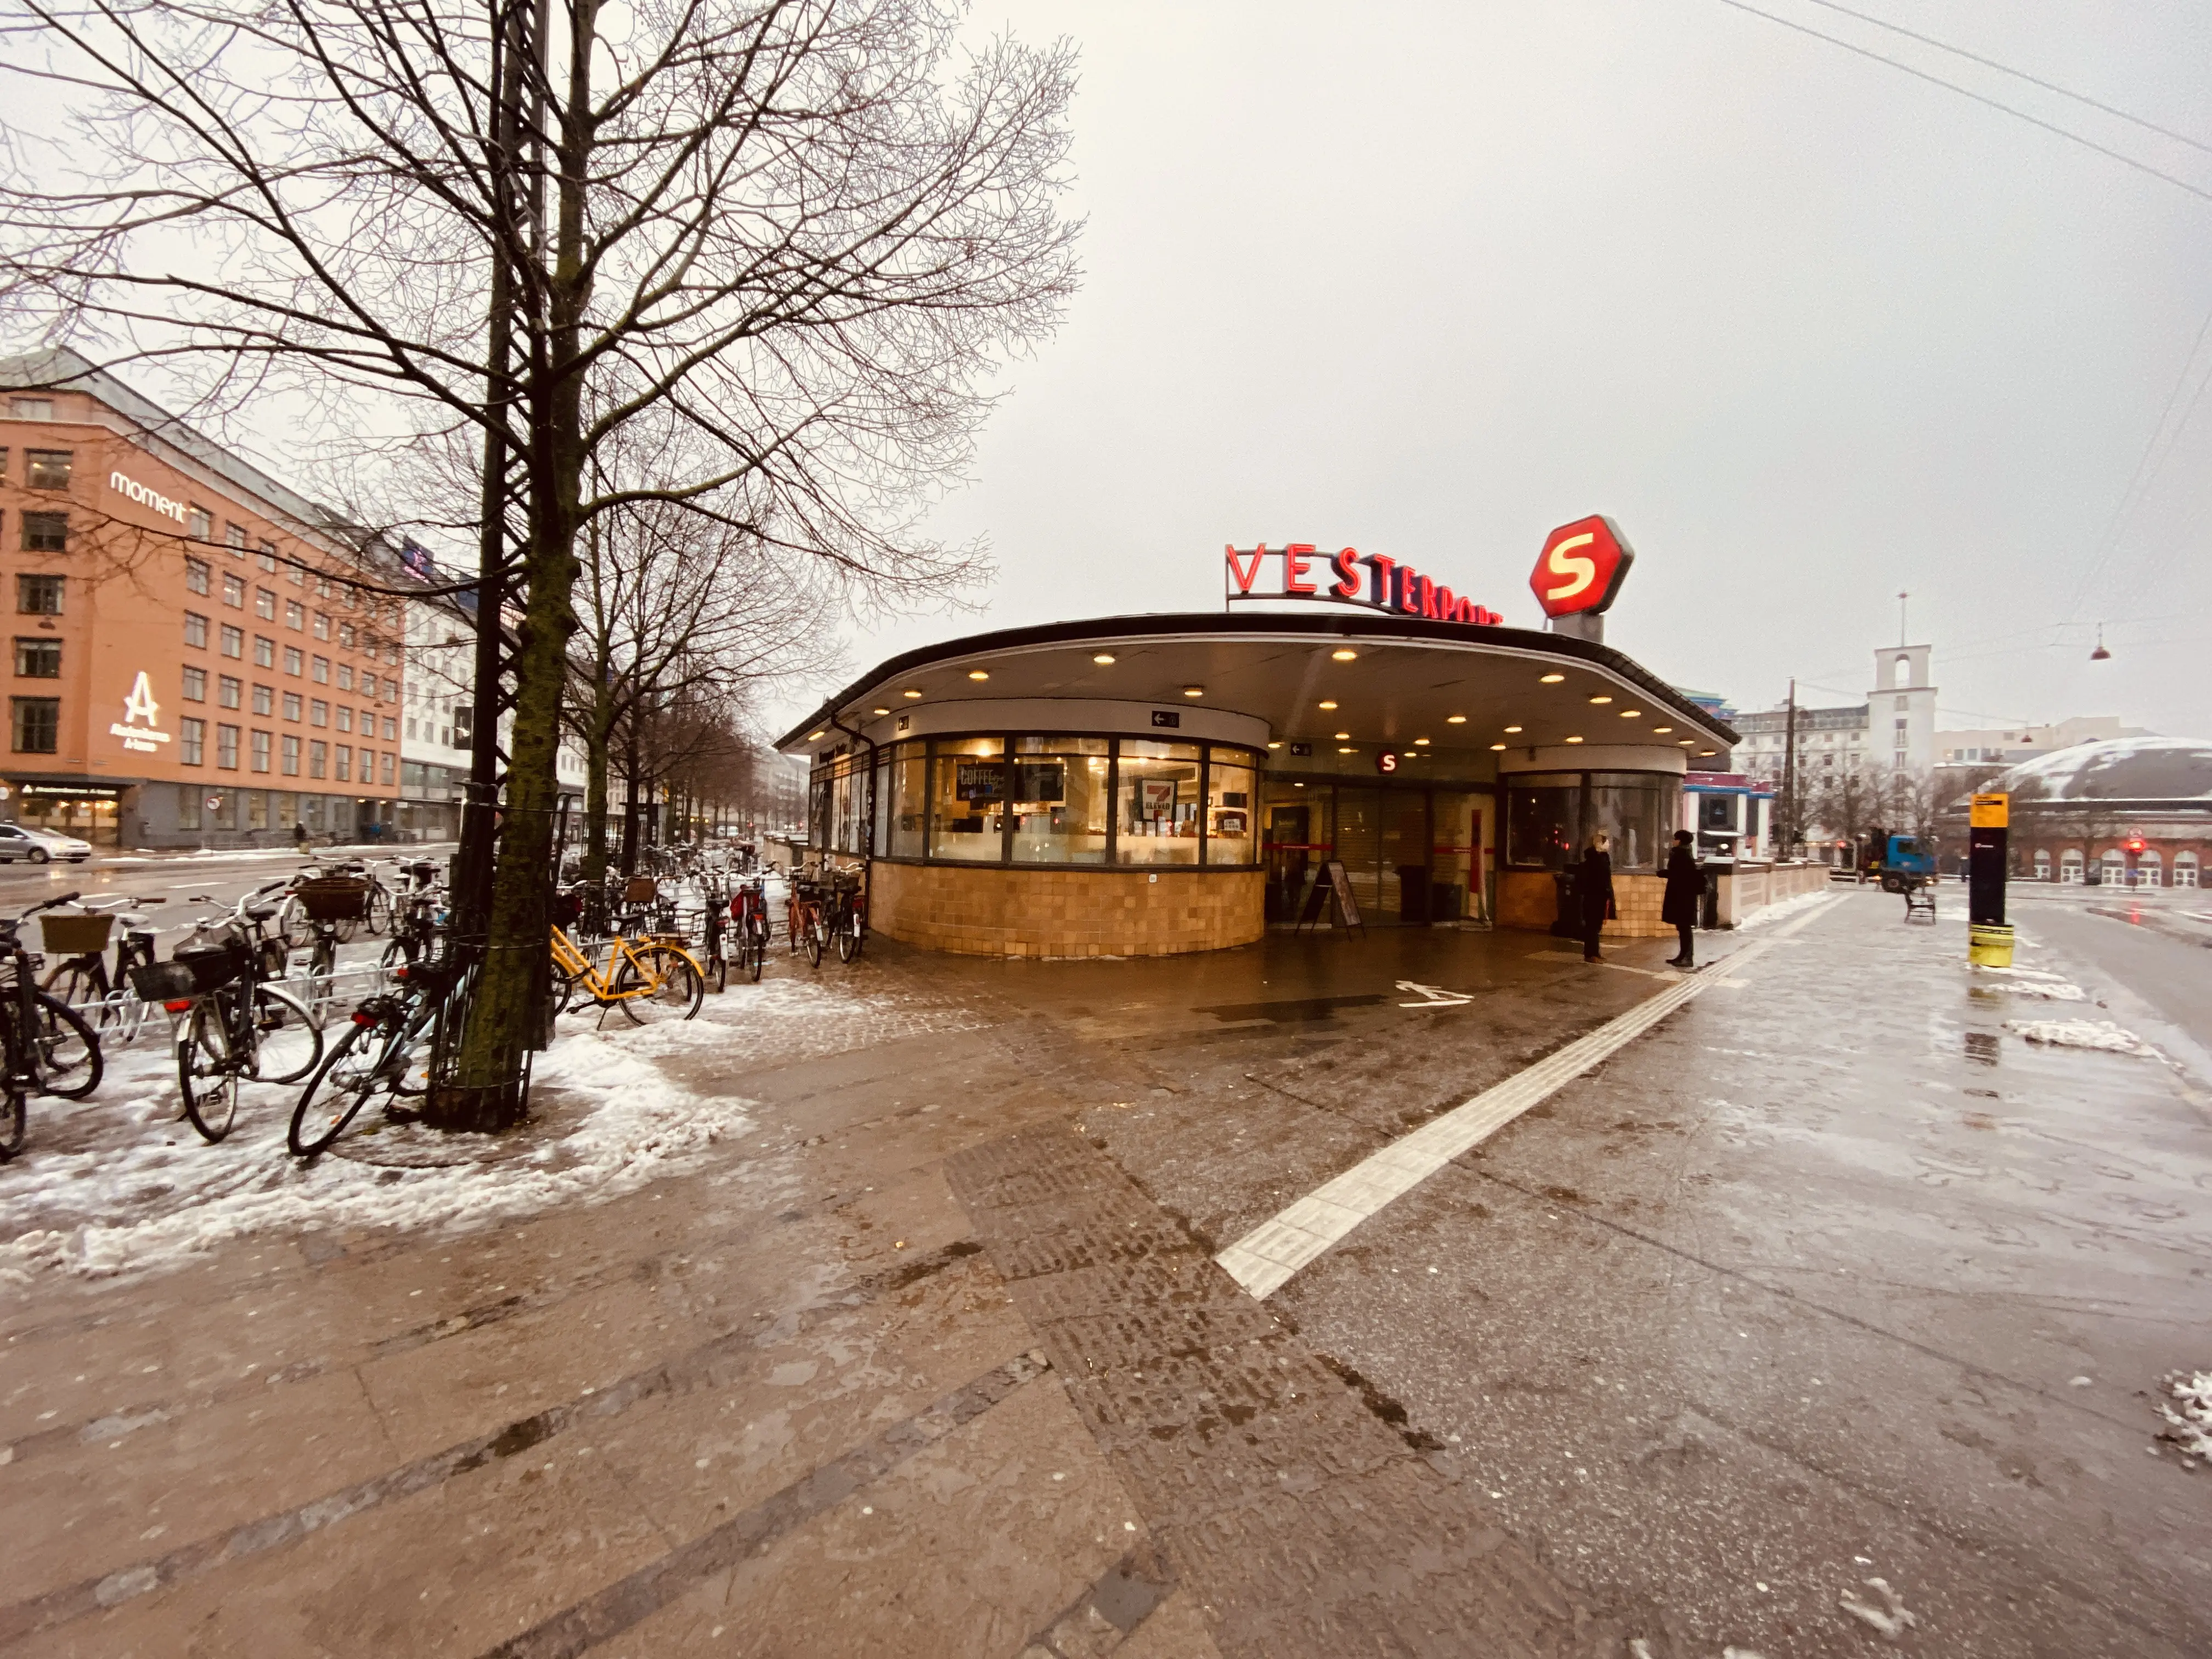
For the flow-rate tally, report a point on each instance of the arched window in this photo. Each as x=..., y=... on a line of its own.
x=2150, y=868
x=1903, y=675
x=2185, y=869
x=2069, y=864
x=2115, y=872
x=2042, y=864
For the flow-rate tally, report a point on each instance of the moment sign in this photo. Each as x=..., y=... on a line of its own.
x=1302, y=571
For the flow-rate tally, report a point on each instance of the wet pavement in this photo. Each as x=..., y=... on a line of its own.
x=1839, y=1273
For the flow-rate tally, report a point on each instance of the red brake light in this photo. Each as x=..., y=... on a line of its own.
x=178, y=1007
x=360, y=1017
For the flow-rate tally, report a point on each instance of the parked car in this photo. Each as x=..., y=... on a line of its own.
x=25, y=841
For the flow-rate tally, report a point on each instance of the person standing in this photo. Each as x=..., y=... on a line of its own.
x=1685, y=885
x=1593, y=891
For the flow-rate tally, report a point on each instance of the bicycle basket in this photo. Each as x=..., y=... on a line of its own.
x=165, y=981
x=640, y=889
x=76, y=936
x=211, y=966
x=333, y=898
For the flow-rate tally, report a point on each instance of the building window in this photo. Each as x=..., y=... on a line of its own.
x=226, y=748
x=345, y=676
x=39, y=596
x=968, y=800
x=188, y=805
x=264, y=699
x=291, y=705
x=38, y=659
x=384, y=770
x=200, y=524
x=318, y=759
x=345, y=717
x=343, y=774
x=191, y=741
x=262, y=742
x=368, y=687
x=1155, y=816
x=1231, y=814
x=346, y=636
x=264, y=651
x=45, y=532
x=1059, y=801
x=290, y=752
x=196, y=629
x=322, y=626
x=322, y=674
x=234, y=591
x=265, y=604
x=295, y=615
x=266, y=557
x=410, y=726
x=390, y=728
x=293, y=661
x=293, y=575
x=318, y=712
x=235, y=535
x=234, y=641
x=195, y=685
x=38, y=724
x=31, y=409
x=227, y=689
x=197, y=572
x=48, y=469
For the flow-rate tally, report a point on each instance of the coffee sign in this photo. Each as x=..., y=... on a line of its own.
x=1303, y=571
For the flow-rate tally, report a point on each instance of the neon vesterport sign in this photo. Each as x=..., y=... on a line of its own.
x=140, y=706
x=131, y=490
x=1302, y=571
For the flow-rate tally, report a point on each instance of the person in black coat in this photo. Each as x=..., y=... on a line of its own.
x=1593, y=891
x=1685, y=885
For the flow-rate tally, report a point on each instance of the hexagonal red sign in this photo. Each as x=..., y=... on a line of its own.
x=1581, y=567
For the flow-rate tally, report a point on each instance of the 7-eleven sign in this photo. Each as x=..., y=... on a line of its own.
x=1581, y=568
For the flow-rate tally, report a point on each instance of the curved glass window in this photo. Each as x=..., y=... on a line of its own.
x=1631, y=807
x=968, y=801
x=1543, y=820
x=1232, y=818
x=1550, y=818
x=1157, y=800
x=1060, y=800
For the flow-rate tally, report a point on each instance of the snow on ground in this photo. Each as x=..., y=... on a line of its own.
x=1767, y=915
x=2030, y=983
x=2190, y=1427
x=2081, y=1034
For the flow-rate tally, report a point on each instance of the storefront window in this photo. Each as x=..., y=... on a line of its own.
x=188, y=806
x=1542, y=820
x=907, y=797
x=1060, y=800
x=1231, y=814
x=968, y=801
x=1156, y=803
x=1632, y=808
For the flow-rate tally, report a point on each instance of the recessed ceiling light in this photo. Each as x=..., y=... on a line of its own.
x=1497, y=747
x=979, y=674
x=1330, y=704
x=1420, y=743
x=1274, y=745
x=811, y=736
x=1600, y=698
x=1661, y=731
x=1298, y=785
x=1702, y=753
x=1344, y=655
x=1455, y=719
x=879, y=711
x=1574, y=740
x=1685, y=742
x=1104, y=658
x=1341, y=736
x=1347, y=751
x=1513, y=729
x=909, y=692
x=1632, y=713
x=1193, y=691
x=1552, y=679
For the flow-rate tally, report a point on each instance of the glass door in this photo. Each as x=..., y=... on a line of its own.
x=1455, y=857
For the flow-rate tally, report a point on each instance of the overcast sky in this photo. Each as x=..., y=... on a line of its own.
x=1431, y=280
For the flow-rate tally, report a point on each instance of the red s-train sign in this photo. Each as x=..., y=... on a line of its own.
x=1581, y=567
x=1303, y=571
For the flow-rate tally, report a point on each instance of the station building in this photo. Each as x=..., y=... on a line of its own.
x=188, y=665
x=1149, y=785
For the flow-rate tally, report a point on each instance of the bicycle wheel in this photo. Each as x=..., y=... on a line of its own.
x=815, y=930
x=658, y=982
x=289, y=1044
x=74, y=983
x=378, y=919
x=12, y=1120
x=205, y=1076
x=848, y=935
x=718, y=969
x=70, y=1049
x=348, y=1079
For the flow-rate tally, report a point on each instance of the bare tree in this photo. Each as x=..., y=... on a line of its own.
x=797, y=230
x=1843, y=803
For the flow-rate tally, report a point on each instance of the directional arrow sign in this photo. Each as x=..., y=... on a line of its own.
x=1582, y=567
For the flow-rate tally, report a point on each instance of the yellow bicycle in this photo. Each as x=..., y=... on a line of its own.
x=649, y=980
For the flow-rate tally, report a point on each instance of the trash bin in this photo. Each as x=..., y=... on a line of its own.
x=1413, y=893
x=1709, y=902
x=1568, y=924
x=1447, y=901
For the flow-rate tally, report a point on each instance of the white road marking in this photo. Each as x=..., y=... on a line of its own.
x=1432, y=996
x=1267, y=1258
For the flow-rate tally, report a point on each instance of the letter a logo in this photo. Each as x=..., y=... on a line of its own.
x=140, y=704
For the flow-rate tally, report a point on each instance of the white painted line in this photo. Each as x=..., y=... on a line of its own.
x=1267, y=1258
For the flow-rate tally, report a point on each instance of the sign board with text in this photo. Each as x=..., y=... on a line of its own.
x=1367, y=580
x=1581, y=567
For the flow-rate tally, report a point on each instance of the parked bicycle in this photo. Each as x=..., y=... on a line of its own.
x=846, y=910
x=650, y=980
x=805, y=917
x=79, y=979
x=749, y=925
x=232, y=1025
x=384, y=1050
x=47, y=1049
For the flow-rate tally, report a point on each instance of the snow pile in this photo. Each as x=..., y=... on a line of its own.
x=2027, y=982
x=138, y=1190
x=2190, y=1428
x=2081, y=1034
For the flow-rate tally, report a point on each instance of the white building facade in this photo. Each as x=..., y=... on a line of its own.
x=1894, y=729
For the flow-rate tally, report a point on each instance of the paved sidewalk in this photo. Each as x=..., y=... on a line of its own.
x=927, y=1354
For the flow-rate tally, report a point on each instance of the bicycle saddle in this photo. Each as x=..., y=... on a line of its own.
x=262, y=912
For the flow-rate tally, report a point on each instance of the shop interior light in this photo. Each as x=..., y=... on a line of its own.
x=1331, y=703
x=1661, y=731
x=1632, y=713
x=1574, y=740
x=1600, y=698
x=1550, y=679
x=979, y=674
x=1298, y=785
x=1420, y=743
x=879, y=711
x=1455, y=719
x=1513, y=729
x=1344, y=656
x=1193, y=691
x=909, y=692
x=1104, y=658
x=1498, y=748
x=1341, y=736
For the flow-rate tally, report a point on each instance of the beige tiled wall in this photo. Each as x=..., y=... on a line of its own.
x=1529, y=899
x=1065, y=913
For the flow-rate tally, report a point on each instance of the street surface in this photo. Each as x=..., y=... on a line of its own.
x=875, y=1312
